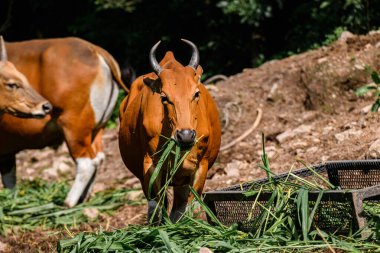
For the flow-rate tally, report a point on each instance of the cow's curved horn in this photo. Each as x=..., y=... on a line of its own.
x=152, y=58
x=3, y=51
x=194, y=61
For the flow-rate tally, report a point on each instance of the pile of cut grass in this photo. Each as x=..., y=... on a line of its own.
x=191, y=234
x=277, y=226
x=40, y=204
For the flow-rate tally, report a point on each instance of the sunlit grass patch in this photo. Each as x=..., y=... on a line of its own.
x=40, y=204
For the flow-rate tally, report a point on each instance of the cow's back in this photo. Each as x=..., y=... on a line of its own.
x=54, y=66
x=61, y=70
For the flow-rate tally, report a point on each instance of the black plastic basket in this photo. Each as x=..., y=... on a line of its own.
x=340, y=211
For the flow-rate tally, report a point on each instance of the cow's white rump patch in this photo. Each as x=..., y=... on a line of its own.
x=103, y=94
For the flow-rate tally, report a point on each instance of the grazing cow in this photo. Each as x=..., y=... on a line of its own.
x=170, y=103
x=17, y=97
x=81, y=81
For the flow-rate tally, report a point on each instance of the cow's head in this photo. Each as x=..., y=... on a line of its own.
x=17, y=97
x=178, y=87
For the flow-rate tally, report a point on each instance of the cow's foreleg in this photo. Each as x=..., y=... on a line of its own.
x=155, y=203
x=199, y=179
x=8, y=171
x=181, y=195
x=82, y=151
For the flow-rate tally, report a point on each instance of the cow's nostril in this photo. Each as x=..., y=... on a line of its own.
x=47, y=107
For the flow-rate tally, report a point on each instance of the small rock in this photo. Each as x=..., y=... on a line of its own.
x=359, y=66
x=350, y=133
x=205, y=250
x=327, y=130
x=374, y=150
x=309, y=116
x=312, y=150
x=281, y=138
x=5, y=247
x=322, y=60
x=244, y=145
x=135, y=195
x=345, y=35
x=136, y=186
x=350, y=125
x=365, y=110
x=51, y=172
x=325, y=158
x=30, y=171
x=299, y=144
x=270, y=151
x=91, y=213
x=99, y=187
x=238, y=156
x=233, y=169
x=303, y=129
x=315, y=140
x=132, y=181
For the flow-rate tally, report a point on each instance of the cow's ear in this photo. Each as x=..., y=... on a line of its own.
x=198, y=73
x=151, y=83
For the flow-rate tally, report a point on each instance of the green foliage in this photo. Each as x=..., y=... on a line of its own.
x=40, y=204
x=276, y=228
x=231, y=34
x=250, y=11
x=126, y=5
x=372, y=88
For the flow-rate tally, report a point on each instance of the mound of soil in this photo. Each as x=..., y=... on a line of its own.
x=310, y=113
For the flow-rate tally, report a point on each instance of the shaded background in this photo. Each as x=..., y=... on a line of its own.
x=231, y=35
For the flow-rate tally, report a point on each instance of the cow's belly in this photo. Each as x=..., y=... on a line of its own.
x=19, y=134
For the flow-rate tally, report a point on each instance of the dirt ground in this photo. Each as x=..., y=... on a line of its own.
x=310, y=112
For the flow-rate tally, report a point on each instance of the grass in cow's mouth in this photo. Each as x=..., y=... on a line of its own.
x=40, y=204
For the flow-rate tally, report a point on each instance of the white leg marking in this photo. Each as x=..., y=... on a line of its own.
x=99, y=159
x=86, y=168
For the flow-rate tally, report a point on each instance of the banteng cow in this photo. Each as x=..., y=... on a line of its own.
x=17, y=97
x=170, y=103
x=81, y=81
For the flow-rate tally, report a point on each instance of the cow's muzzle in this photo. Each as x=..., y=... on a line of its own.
x=185, y=138
x=42, y=110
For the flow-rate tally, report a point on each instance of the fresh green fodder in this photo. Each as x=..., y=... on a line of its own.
x=40, y=204
x=285, y=224
x=170, y=159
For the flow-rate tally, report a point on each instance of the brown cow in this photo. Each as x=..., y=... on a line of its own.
x=81, y=81
x=17, y=97
x=170, y=103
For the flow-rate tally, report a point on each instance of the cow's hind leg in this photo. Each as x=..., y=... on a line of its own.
x=97, y=146
x=8, y=170
x=79, y=141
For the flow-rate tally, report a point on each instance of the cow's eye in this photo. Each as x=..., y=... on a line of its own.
x=12, y=86
x=164, y=98
x=197, y=95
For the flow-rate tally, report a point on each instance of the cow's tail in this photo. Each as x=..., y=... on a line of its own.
x=114, y=66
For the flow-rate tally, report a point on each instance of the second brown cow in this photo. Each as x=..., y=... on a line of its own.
x=170, y=103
